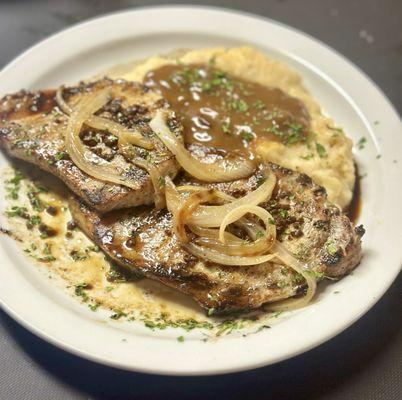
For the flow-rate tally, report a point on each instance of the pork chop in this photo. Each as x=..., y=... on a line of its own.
x=32, y=128
x=314, y=230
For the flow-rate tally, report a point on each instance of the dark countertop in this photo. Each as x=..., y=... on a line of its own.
x=363, y=363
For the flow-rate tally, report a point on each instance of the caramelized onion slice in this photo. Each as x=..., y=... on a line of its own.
x=300, y=268
x=84, y=159
x=224, y=259
x=223, y=241
x=222, y=171
x=206, y=233
x=182, y=213
x=212, y=216
x=125, y=136
x=240, y=211
x=156, y=178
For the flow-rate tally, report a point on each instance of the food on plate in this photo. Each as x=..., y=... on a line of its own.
x=324, y=154
x=317, y=233
x=217, y=175
x=35, y=125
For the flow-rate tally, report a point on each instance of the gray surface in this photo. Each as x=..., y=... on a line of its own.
x=363, y=362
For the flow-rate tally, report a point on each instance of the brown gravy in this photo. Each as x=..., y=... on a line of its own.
x=228, y=113
x=354, y=208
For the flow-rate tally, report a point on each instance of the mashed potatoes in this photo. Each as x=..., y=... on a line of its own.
x=328, y=159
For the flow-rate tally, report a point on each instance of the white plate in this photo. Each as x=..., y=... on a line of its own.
x=344, y=92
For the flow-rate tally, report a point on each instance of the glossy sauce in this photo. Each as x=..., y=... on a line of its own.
x=354, y=208
x=228, y=113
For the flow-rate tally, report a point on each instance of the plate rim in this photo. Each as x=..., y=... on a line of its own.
x=31, y=327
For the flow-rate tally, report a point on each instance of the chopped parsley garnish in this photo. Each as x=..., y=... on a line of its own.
x=161, y=181
x=226, y=127
x=35, y=201
x=180, y=339
x=259, y=105
x=77, y=255
x=94, y=248
x=186, y=324
x=229, y=326
x=283, y=213
x=80, y=290
x=361, y=143
x=330, y=247
x=41, y=188
x=297, y=278
x=118, y=314
x=34, y=220
x=307, y=157
x=316, y=274
x=320, y=150
x=237, y=105
x=60, y=155
x=17, y=211
x=247, y=136
x=259, y=235
x=13, y=185
x=48, y=256
x=93, y=307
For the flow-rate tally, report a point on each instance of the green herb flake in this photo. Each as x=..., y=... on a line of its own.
x=118, y=314
x=259, y=105
x=316, y=274
x=259, y=235
x=247, y=136
x=186, y=324
x=34, y=220
x=211, y=311
x=94, y=248
x=228, y=326
x=320, y=150
x=13, y=185
x=361, y=143
x=297, y=278
x=180, y=339
x=93, y=307
x=60, y=155
x=307, y=157
x=283, y=213
x=17, y=211
x=330, y=247
x=77, y=255
x=36, y=203
x=47, y=257
x=80, y=290
x=161, y=181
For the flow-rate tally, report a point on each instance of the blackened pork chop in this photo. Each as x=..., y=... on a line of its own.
x=32, y=128
x=315, y=231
